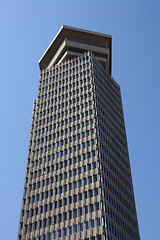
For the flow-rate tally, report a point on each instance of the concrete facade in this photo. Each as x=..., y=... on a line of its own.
x=78, y=181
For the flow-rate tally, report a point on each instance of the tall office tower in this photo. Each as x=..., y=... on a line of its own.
x=78, y=181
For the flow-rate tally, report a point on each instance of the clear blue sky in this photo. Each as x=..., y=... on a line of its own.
x=27, y=28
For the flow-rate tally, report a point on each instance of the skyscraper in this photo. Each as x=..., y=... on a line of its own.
x=78, y=181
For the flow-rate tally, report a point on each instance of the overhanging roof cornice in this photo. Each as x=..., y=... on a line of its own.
x=75, y=34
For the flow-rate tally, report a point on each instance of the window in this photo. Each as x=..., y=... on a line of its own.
x=70, y=230
x=70, y=200
x=80, y=212
x=90, y=193
x=74, y=213
x=91, y=208
x=74, y=228
x=79, y=196
x=65, y=201
x=59, y=218
x=74, y=185
x=70, y=186
x=86, y=226
x=92, y=224
x=59, y=233
x=86, y=209
x=98, y=222
x=85, y=195
x=79, y=183
x=70, y=214
x=94, y=178
x=74, y=198
x=89, y=180
x=95, y=191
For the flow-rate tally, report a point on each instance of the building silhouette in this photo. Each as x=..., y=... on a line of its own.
x=78, y=182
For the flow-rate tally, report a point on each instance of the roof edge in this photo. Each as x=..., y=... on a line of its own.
x=51, y=43
x=61, y=33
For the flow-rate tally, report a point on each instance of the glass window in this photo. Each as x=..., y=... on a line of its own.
x=86, y=209
x=74, y=228
x=79, y=196
x=86, y=226
x=74, y=198
x=70, y=230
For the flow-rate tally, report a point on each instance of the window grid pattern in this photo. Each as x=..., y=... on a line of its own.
x=78, y=181
x=61, y=188
x=117, y=190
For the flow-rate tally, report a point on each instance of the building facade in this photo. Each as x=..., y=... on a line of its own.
x=78, y=181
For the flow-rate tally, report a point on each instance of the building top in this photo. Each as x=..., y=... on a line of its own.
x=71, y=42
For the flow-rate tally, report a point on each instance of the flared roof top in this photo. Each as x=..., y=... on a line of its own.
x=81, y=35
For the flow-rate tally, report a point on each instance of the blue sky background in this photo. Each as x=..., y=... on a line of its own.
x=26, y=30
